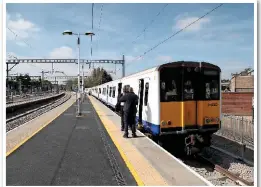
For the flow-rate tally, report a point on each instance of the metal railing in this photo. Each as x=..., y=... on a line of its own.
x=239, y=129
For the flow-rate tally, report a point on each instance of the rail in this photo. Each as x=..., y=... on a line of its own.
x=226, y=173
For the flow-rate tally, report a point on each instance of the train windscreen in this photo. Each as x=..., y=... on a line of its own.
x=188, y=84
x=170, y=84
x=178, y=84
x=211, y=81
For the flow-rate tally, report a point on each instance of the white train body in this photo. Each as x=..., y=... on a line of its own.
x=150, y=111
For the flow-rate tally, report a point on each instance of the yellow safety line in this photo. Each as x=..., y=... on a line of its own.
x=127, y=162
x=26, y=139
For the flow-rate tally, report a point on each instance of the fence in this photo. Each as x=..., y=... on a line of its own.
x=239, y=129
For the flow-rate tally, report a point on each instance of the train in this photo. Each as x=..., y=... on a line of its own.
x=179, y=103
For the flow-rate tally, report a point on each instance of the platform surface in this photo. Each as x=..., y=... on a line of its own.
x=153, y=164
x=69, y=151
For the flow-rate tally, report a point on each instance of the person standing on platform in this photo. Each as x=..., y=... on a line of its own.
x=120, y=106
x=130, y=110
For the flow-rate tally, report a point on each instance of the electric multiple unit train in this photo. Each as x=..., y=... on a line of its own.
x=179, y=102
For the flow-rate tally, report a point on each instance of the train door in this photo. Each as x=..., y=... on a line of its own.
x=190, y=87
x=140, y=103
x=146, y=110
x=209, y=101
x=119, y=89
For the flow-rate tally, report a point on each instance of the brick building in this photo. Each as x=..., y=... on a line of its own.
x=240, y=82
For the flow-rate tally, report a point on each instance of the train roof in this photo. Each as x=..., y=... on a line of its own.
x=171, y=64
x=188, y=64
x=176, y=64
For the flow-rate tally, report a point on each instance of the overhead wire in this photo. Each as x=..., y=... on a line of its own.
x=179, y=31
x=146, y=27
x=99, y=23
x=16, y=35
x=150, y=23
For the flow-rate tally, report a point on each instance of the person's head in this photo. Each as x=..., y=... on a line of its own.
x=131, y=89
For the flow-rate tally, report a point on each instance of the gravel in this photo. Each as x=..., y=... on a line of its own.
x=209, y=174
x=13, y=124
x=233, y=165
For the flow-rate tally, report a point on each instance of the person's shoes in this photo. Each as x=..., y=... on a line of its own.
x=134, y=135
x=125, y=136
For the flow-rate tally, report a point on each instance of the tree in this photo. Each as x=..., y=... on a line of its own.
x=98, y=76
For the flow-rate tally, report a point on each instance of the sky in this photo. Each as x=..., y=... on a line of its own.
x=224, y=37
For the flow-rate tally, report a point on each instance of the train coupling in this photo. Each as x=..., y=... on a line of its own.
x=190, y=142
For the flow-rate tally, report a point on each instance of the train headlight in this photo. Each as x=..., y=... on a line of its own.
x=169, y=122
x=163, y=123
x=207, y=120
x=211, y=120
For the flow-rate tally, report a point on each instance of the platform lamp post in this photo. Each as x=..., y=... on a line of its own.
x=68, y=32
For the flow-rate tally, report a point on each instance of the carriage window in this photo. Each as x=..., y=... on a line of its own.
x=113, y=92
x=146, y=94
x=99, y=91
x=110, y=91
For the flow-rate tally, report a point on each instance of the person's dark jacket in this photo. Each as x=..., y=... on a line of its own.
x=131, y=100
x=118, y=105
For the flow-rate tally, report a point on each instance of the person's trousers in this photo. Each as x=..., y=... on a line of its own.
x=122, y=118
x=129, y=121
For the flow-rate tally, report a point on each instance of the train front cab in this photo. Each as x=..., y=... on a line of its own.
x=189, y=103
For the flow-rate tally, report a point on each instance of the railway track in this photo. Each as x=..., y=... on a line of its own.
x=224, y=173
x=18, y=119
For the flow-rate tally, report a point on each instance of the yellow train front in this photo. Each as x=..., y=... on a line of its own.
x=190, y=106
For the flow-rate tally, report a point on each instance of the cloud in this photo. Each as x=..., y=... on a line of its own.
x=183, y=22
x=21, y=44
x=164, y=58
x=20, y=29
x=62, y=52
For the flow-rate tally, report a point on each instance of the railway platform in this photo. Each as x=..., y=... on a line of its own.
x=89, y=150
